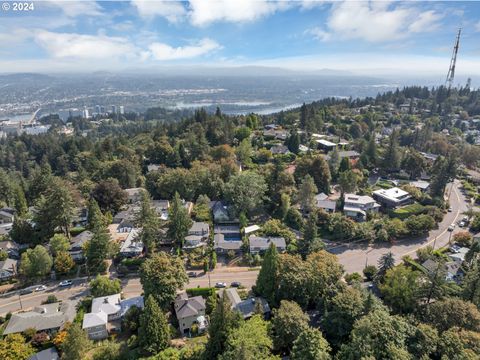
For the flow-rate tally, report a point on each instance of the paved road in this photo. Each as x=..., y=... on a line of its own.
x=353, y=259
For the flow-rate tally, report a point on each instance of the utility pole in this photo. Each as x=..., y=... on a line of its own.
x=453, y=62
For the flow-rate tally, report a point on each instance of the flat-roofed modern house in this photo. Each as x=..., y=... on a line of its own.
x=260, y=244
x=326, y=145
x=48, y=318
x=392, y=198
x=190, y=311
x=357, y=206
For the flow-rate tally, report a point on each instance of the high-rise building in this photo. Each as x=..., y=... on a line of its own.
x=85, y=113
x=122, y=110
x=114, y=109
x=98, y=109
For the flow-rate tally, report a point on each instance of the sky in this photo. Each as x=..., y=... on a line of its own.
x=372, y=38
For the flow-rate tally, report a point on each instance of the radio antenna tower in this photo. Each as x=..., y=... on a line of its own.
x=453, y=61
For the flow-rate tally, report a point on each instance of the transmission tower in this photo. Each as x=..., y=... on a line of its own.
x=453, y=61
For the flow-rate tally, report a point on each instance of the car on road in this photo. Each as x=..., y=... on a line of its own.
x=451, y=227
x=220, y=285
x=461, y=224
x=65, y=283
x=236, y=284
x=27, y=290
x=192, y=274
x=450, y=209
x=41, y=288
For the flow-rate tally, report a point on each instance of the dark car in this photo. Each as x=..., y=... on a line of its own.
x=192, y=274
x=236, y=284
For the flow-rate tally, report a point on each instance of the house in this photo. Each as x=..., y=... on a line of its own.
x=246, y=307
x=223, y=244
x=275, y=134
x=259, y=244
x=351, y=154
x=48, y=318
x=458, y=253
x=110, y=305
x=132, y=246
x=11, y=248
x=393, y=197
x=125, y=219
x=279, y=150
x=161, y=208
x=357, y=206
x=197, y=235
x=322, y=202
x=8, y=269
x=6, y=216
x=95, y=324
x=134, y=195
x=325, y=145
x=190, y=311
x=221, y=212
x=80, y=217
x=421, y=185
x=104, y=310
x=77, y=243
x=452, y=270
x=153, y=167
x=47, y=354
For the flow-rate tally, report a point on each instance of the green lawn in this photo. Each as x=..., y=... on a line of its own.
x=407, y=211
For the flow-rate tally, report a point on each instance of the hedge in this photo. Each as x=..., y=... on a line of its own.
x=200, y=291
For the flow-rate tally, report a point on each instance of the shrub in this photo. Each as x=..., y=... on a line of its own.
x=40, y=338
x=353, y=277
x=50, y=299
x=205, y=291
x=29, y=333
x=369, y=272
x=463, y=238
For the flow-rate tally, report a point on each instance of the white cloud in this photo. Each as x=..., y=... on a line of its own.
x=377, y=21
x=66, y=45
x=319, y=34
x=161, y=51
x=173, y=11
x=76, y=8
x=477, y=26
x=204, y=12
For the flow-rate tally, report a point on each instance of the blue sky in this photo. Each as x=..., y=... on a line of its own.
x=362, y=37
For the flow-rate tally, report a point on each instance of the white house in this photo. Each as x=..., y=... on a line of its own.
x=357, y=206
x=392, y=198
x=132, y=246
x=190, y=311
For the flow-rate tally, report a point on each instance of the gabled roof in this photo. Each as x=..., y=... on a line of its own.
x=200, y=226
x=186, y=307
x=8, y=265
x=264, y=242
x=47, y=354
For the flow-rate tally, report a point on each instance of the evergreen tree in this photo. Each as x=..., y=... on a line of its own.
x=293, y=142
x=147, y=219
x=21, y=206
x=385, y=263
x=154, y=331
x=471, y=284
x=391, y=159
x=344, y=165
x=334, y=162
x=222, y=321
x=371, y=152
x=267, y=280
x=310, y=235
x=179, y=221
x=306, y=194
x=97, y=251
x=95, y=218
x=76, y=343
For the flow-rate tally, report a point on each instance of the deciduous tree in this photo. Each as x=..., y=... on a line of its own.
x=310, y=345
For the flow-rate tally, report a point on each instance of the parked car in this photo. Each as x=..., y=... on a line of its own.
x=236, y=284
x=28, y=290
x=461, y=224
x=65, y=283
x=451, y=227
x=220, y=285
x=41, y=288
x=450, y=209
x=192, y=274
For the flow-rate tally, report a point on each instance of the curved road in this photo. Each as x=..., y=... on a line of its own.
x=353, y=257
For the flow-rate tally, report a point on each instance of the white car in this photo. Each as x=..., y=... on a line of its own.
x=451, y=227
x=220, y=285
x=65, y=283
x=41, y=288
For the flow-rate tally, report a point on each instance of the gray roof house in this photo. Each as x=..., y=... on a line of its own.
x=47, y=354
x=190, y=311
x=48, y=317
x=246, y=307
x=357, y=206
x=134, y=195
x=132, y=246
x=11, y=248
x=260, y=244
x=77, y=243
x=279, y=150
x=8, y=269
x=322, y=202
x=197, y=235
